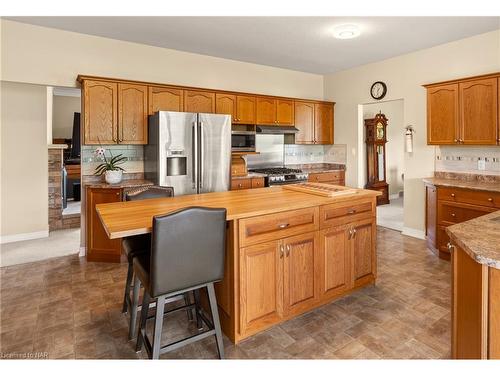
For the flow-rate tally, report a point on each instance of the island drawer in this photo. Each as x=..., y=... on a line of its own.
x=478, y=197
x=241, y=183
x=280, y=225
x=346, y=212
x=452, y=213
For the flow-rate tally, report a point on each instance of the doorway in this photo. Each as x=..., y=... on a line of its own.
x=388, y=215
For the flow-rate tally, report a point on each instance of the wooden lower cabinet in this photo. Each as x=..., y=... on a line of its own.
x=475, y=308
x=99, y=247
x=279, y=278
x=247, y=183
x=332, y=178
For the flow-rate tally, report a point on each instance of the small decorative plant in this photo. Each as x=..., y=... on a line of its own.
x=111, y=166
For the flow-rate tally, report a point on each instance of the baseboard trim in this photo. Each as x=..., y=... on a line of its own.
x=24, y=236
x=394, y=196
x=420, y=234
x=83, y=251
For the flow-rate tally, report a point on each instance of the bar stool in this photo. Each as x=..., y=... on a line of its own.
x=134, y=245
x=187, y=254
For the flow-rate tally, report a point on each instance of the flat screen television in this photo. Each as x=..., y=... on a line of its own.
x=75, y=140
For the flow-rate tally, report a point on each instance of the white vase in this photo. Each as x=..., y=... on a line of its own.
x=113, y=177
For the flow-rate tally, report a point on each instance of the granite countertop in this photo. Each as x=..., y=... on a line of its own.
x=249, y=175
x=464, y=184
x=318, y=167
x=480, y=238
x=126, y=183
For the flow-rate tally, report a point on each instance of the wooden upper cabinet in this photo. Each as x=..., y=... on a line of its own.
x=304, y=121
x=165, y=99
x=245, y=109
x=284, y=112
x=199, y=101
x=226, y=104
x=132, y=114
x=323, y=123
x=261, y=286
x=300, y=263
x=266, y=111
x=442, y=115
x=479, y=111
x=100, y=100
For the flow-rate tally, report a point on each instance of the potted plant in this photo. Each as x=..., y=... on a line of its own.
x=113, y=173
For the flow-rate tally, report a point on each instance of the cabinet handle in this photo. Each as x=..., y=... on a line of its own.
x=490, y=199
x=281, y=251
x=450, y=247
x=461, y=140
x=287, y=250
x=354, y=233
x=283, y=226
x=453, y=195
x=117, y=193
x=350, y=233
x=240, y=185
x=351, y=211
x=453, y=214
x=455, y=140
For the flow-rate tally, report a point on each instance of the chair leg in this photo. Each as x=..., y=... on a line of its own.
x=130, y=274
x=187, y=301
x=197, y=309
x=141, y=332
x=133, y=308
x=215, y=319
x=160, y=307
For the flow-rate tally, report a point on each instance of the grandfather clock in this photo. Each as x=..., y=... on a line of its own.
x=376, y=138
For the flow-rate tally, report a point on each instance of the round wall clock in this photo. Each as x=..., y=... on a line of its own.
x=378, y=90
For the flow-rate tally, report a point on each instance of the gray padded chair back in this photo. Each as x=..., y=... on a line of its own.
x=187, y=249
x=150, y=192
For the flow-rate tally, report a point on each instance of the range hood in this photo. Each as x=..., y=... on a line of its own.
x=262, y=129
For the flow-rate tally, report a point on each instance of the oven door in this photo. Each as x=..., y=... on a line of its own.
x=242, y=141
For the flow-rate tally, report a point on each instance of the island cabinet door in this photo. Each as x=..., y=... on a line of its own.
x=334, y=262
x=261, y=286
x=364, y=262
x=299, y=270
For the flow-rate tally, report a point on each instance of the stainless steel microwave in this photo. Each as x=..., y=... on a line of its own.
x=242, y=140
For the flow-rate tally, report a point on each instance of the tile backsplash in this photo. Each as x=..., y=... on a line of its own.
x=133, y=153
x=465, y=159
x=307, y=154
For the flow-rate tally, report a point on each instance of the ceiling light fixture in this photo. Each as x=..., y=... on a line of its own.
x=347, y=31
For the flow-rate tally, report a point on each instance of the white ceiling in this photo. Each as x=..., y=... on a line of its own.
x=299, y=43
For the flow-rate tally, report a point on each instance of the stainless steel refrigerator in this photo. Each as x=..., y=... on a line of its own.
x=189, y=151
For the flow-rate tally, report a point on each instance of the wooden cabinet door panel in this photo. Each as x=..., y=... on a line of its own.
x=300, y=264
x=335, y=262
x=266, y=111
x=132, y=114
x=100, y=112
x=323, y=123
x=225, y=104
x=442, y=115
x=304, y=121
x=199, y=101
x=165, y=99
x=99, y=246
x=246, y=107
x=469, y=324
x=478, y=111
x=261, y=285
x=284, y=112
x=363, y=250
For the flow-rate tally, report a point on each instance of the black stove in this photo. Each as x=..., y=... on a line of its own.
x=281, y=175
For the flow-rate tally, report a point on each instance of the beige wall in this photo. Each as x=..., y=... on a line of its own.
x=63, y=108
x=404, y=76
x=394, y=147
x=53, y=57
x=24, y=171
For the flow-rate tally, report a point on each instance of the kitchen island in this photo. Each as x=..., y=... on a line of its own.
x=475, y=246
x=287, y=252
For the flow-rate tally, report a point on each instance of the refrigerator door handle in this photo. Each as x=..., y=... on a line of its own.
x=201, y=156
x=194, y=145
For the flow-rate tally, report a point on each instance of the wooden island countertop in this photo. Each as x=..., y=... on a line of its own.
x=122, y=219
x=287, y=252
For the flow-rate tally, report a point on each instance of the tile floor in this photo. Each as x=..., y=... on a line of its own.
x=69, y=308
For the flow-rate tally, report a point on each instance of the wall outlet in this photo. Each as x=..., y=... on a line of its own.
x=481, y=164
